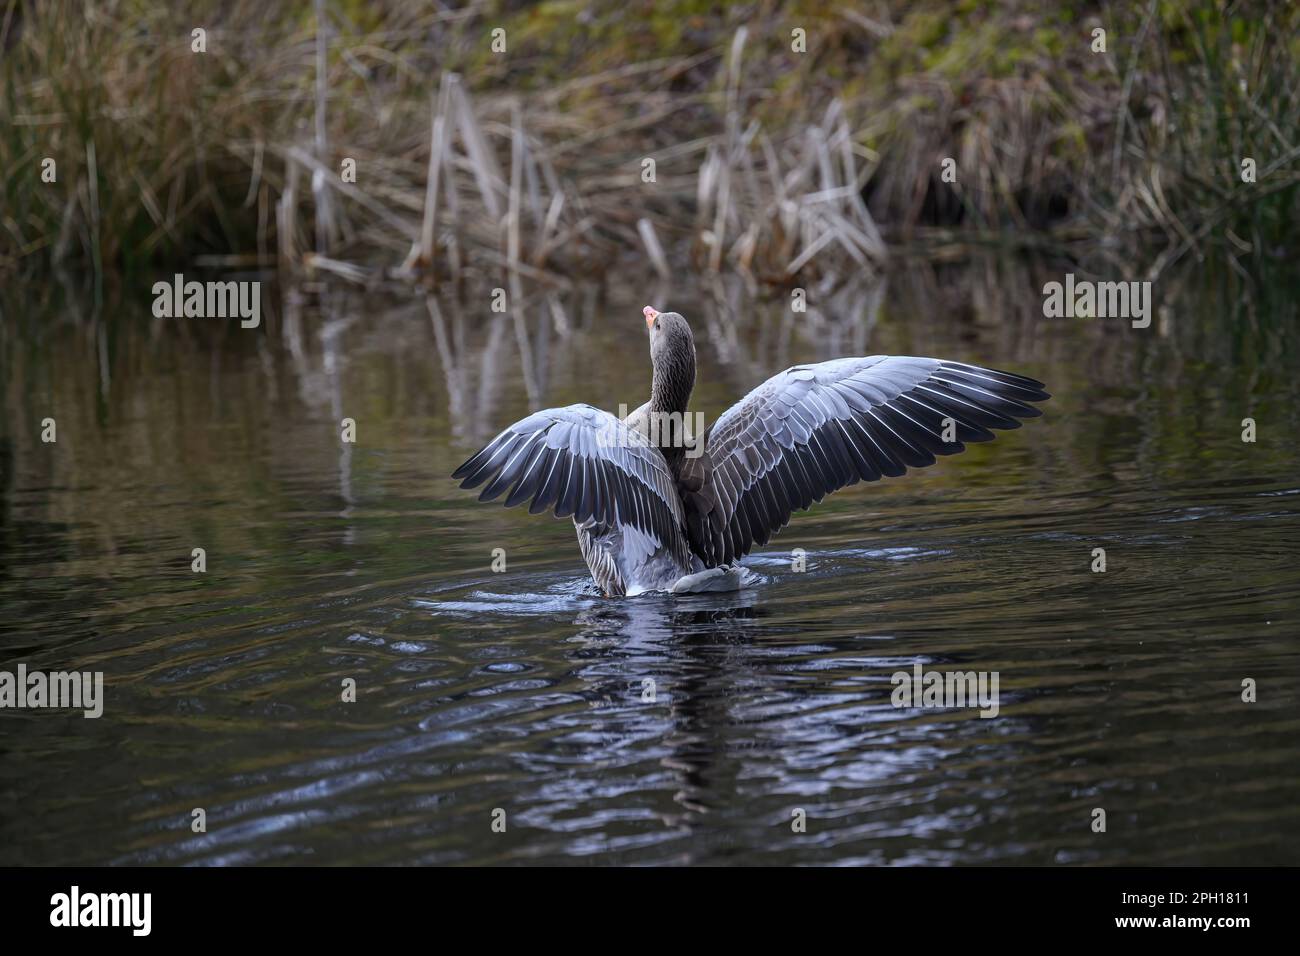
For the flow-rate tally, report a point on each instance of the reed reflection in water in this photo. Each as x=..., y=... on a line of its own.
x=525, y=691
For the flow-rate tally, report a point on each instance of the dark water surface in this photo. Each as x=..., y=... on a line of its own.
x=523, y=690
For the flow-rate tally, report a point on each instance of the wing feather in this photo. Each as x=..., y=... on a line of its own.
x=813, y=429
x=583, y=462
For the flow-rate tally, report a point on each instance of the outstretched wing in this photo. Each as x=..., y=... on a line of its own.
x=813, y=429
x=583, y=462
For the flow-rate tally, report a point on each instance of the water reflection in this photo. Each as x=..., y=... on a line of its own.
x=525, y=691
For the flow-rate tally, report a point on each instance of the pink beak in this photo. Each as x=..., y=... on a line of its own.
x=650, y=315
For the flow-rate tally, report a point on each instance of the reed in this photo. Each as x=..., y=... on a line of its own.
x=784, y=167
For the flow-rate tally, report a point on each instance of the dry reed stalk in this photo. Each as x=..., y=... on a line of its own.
x=286, y=218
x=320, y=192
x=652, y=247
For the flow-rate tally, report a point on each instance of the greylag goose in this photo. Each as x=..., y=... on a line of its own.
x=659, y=509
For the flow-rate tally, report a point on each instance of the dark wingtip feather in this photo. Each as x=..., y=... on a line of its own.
x=1021, y=387
x=474, y=480
x=466, y=467
x=472, y=470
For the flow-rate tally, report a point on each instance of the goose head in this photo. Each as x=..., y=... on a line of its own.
x=672, y=353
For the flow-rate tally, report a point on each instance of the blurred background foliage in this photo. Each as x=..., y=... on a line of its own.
x=763, y=155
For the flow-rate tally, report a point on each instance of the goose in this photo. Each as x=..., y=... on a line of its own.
x=659, y=509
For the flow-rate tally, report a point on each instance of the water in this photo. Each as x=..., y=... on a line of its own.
x=523, y=691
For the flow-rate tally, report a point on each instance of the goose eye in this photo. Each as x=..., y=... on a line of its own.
x=656, y=323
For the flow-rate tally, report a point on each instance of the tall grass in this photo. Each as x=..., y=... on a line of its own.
x=140, y=131
x=1227, y=91
x=777, y=164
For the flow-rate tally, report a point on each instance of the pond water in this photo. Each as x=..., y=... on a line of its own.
x=525, y=692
